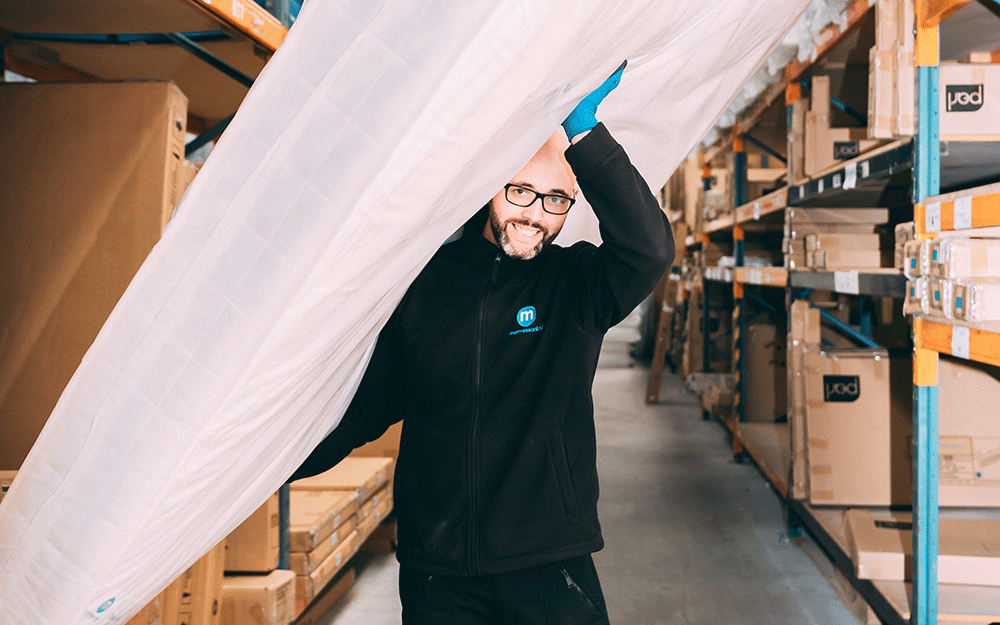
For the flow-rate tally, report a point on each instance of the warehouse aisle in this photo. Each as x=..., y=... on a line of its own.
x=692, y=537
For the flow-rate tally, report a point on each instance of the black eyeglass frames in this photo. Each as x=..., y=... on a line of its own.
x=551, y=203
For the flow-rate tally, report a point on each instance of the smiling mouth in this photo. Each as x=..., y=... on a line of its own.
x=525, y=231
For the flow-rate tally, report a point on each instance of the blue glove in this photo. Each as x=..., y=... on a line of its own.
x=584, y=116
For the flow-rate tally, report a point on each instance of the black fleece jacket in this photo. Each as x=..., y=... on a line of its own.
x=489, y=361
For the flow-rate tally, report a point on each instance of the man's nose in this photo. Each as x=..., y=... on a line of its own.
x=534, y=211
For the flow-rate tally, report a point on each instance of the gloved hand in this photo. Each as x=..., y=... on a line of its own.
x=584, y=116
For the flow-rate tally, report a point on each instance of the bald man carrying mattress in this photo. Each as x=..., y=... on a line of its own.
x=489, y=361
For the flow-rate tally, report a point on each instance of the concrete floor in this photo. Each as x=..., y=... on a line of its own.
x=691, y=537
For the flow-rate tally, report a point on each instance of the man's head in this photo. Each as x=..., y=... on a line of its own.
x=523, y=231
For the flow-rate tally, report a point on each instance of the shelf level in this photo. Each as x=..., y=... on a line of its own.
x=865, y=175
x=852, y=282
x=961, y=341
x=771, y=203
x=973, y=208
x=249, y=18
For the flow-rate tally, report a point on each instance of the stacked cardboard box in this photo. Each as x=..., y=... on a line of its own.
x=829, y=239
x=91, y=172
x=970, y=101
x=891, y=71
x=194, y=598
x=852, y=428
x=259, y=599
x=881, y=547
x=764, y=388
x=804, y=336
x=253, y=547
x=826, y=146
x=331, y=516
x=6, y=479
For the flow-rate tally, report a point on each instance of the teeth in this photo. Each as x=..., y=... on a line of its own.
x=525, y=231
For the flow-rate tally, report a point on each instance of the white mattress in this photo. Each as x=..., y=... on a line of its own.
x=373, y=133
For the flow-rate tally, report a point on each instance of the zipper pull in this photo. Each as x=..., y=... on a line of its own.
x=496, y=270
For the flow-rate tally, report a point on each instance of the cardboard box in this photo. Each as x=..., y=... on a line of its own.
x=366, y=475
x=6, y=479
x=374, y=512
x=764, y=393
x=970, y=102
x=961, y=257
x=305, y=562
x=318, y=610
x=383, y=539
x=886, y=24
x=976, y=302
x=826, y=146
x=824, y=241
x=259, y=599
x=315, y=514
x=308, y=586
x=968, y=394
x=804, y=335
x=824, y=218
x=882, y=548
x=858, y=420
x=195, y=597
x=835, y=258
x=904, y=98
x=796, y=141
x=796, y=262
x=253, y=547
x=881, y=90
x=385, y=446
x=90, y=172
x=790, y=245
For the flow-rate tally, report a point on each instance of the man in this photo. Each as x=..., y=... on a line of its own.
x=489, y=360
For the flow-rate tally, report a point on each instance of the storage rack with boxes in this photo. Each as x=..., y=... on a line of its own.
x=861, y=204
x=129, y=91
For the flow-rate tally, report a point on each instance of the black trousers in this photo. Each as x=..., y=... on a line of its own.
x=561, y=593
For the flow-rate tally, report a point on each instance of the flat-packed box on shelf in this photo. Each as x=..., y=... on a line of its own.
x=253, y=547
x=823, y=218
x=764, y=391
x=969, y=431
x=881, y=90
x=858, y=420
x=881, y=548
x=826, y=146
x=90, y=171
x=840, y=258
x=827, y=241
x=970, y=101
x=315, y=514
x=903, y=234
x=258, y=599
x=796, y=141
x=804, y=335
x=309, y=586
x=366, y=475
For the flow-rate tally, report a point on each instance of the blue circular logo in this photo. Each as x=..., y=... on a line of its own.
x=526, y=316
x=107, y=604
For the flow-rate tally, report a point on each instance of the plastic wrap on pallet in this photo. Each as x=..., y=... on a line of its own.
x=939, y=291
x=960, y=257
x=372, y=134
x=976, y=302
x=916, y=302
x=916, y=258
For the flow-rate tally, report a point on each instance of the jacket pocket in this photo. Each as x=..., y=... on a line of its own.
x=563, y=477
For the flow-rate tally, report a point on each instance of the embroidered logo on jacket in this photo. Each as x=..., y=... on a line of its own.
x=526, y=319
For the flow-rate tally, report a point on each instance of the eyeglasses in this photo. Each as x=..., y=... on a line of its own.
x=524, y=197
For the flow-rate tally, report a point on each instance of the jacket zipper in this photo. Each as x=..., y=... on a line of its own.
x=474, y=564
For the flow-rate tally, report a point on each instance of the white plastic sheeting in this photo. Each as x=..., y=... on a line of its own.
x=375, y=131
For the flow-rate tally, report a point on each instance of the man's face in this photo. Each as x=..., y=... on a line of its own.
x=522, y=232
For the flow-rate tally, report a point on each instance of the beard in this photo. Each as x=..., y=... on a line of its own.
x=502, y=238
